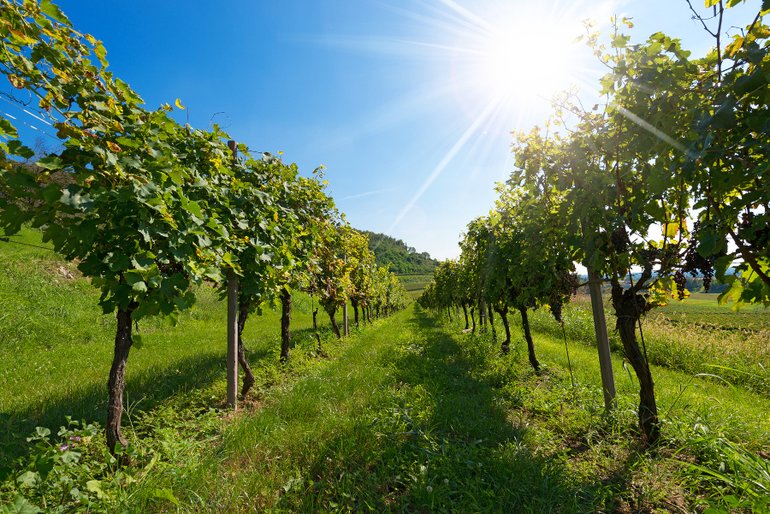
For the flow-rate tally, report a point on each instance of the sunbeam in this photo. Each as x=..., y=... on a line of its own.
x=652, y=130
x=456, y=147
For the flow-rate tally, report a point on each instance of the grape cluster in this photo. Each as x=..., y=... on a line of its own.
x=619, y=239
x=680, y=281
x=695, y=263
x=566, y=286
x=749, y=230
x=555, y=307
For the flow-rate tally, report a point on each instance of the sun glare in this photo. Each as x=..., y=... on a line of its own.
x=520, y=66
x=518, y=54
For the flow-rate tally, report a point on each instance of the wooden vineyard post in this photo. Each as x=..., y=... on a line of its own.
x=345, y=329
x=602, y=340
x=232, y=325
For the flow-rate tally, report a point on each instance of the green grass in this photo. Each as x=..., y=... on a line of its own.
x=732, y=346
x=415, y=416
x=56, y=345
x=415, y=283
x=704, y=311
x=407, y=415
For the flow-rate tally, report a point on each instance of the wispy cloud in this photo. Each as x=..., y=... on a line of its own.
x=367, y=193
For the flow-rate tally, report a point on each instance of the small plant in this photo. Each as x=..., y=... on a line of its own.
x=69, y=471
x=737, y=478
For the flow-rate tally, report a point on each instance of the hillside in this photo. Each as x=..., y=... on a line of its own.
x=403, y=259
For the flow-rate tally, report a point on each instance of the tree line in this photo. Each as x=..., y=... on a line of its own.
x=402, y=259
x=149, y=208
x=668, y=175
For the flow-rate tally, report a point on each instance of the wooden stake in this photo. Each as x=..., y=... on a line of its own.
x=345, y=319
x=602, y=340
x=232, y=325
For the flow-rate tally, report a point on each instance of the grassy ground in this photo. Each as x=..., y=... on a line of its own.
x=415, y=282
x=56, y=345
x=408, y=415
x=697, y=336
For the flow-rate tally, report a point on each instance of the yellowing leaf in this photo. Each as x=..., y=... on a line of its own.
x=101, y=53
x=670, y=230
x=54, y=12
x=16, y=81
x=22, y=37
x=178, y=104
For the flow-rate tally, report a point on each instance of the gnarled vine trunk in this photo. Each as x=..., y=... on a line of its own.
x=482, y=316
x=355, y=312
x=116, y=384
x=331, y=310
x=528, y=337
x=505, y=347
x=473, y=320
x=629, y=307
x=315, y=331
x=465, y=312
x=491, y=321
x=285, y=324
x=248, y=376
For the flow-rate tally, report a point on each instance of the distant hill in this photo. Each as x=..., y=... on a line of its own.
x=403, y=259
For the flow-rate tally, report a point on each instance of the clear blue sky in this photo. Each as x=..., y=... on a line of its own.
x=393, y=96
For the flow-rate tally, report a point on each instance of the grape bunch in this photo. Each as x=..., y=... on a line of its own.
x=566, y=286
x=680, y=281
x=754, y=229
x=695, y=263
x=555, y=307
x=619, y=239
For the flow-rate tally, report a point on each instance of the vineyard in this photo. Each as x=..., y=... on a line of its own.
x=265, y=356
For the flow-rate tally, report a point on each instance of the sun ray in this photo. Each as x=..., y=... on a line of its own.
x=651, y=129
x=441, y=166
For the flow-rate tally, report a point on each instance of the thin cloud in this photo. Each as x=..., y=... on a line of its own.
x=367, y=193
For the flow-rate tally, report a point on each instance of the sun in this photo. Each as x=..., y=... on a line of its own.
x=523, y=65
x=519, y=54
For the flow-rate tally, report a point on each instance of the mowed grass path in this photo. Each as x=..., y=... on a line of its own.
x=407, y=415
x=399, y=421
x=410, y=416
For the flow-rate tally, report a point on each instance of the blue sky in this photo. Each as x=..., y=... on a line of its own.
x=392, y=96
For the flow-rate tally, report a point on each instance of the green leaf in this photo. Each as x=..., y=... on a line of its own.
x=54, y=12
x=139, y=287
x=7, y=129
x=17, y=148
x=128, y=93
x=95, y=486
x=51, y=162
x=708, y=242
x=28, y=479
x=721, y=265
x=166, y=494
x=70, y=457
x=21, y=506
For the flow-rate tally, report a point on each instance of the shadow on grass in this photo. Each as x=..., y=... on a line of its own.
x=442, y=443
x=144, y=391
